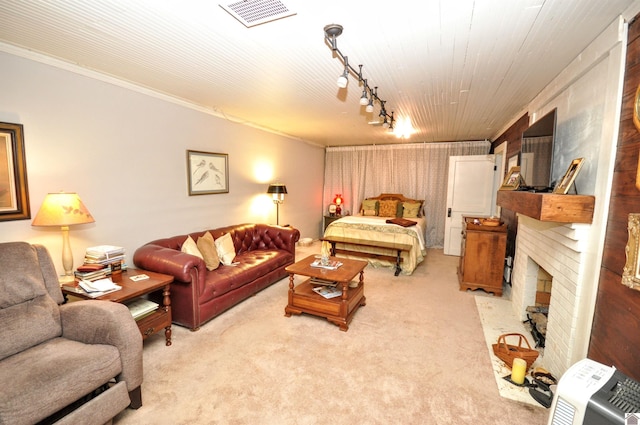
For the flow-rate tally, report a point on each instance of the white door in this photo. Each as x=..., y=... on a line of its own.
x=470, y=192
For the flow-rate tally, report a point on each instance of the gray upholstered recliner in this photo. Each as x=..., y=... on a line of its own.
x=79, y=362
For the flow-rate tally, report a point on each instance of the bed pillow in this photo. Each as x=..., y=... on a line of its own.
x=207, y=248
x=411, y=209
x=225, y=249
x=370, y=207
x=189, y=247
x=388, y=208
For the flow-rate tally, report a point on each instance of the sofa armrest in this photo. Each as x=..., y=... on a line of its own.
x=278, y=237
x=106, y=322
x=176, y=263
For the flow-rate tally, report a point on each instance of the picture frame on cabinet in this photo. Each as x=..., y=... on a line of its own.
x=631, y=270
x=207, y=172
x=14, y=191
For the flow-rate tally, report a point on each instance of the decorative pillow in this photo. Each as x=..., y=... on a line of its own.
x=388, y=208
x=411, y=209
x=369, y=212
x=370, y=205
x=207, y=248
x=189, y=247
x=226, y=250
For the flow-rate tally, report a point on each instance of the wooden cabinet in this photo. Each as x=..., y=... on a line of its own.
x=482, y=256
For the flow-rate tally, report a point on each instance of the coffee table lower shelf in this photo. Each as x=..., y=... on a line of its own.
x=338, y=310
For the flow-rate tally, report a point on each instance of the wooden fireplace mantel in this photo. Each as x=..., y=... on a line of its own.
x=549, y=206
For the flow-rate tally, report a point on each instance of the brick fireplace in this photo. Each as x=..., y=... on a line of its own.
x=559, y=249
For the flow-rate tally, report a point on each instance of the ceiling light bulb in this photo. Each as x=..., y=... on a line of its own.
x=342, y=81
x=364, y=100
x=385, y=123
x=369, y=107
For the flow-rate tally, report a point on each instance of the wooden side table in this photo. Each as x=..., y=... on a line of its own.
x=328, y=219
x=152, y=323
x=482, y=256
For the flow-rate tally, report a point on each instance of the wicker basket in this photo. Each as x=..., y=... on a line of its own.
x=508, y=352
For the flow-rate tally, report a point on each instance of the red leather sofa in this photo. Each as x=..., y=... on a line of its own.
x=197, y=294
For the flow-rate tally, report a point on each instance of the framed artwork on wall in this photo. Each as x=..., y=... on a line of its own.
x=631, y=270
x=14, y=193
x=207, y=172
x=569, y=177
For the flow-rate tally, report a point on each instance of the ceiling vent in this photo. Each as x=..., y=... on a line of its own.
x=256, y=12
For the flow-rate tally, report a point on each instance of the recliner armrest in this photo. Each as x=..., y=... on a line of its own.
x=106, y=322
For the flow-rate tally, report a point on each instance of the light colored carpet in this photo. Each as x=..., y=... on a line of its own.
x=415, y=354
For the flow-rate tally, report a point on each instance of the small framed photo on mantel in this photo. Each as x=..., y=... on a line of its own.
x=512, y=180
x=569, y=177
x=207, y=172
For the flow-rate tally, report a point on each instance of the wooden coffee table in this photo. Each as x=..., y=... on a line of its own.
x=338, y=310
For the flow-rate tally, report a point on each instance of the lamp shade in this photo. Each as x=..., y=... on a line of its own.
x=277, y=188
x=338, y=199
x=62, y=209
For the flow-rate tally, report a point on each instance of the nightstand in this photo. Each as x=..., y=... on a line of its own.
x=328, y=219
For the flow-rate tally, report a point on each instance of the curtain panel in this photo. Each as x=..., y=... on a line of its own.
x=416, y=170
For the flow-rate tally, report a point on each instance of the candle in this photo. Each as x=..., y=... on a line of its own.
x=518, y=370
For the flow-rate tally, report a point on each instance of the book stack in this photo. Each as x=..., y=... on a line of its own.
x=323, y=282
x=91, y=272
x=109, y=256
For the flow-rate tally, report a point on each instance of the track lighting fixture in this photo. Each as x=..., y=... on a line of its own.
x=331, y=32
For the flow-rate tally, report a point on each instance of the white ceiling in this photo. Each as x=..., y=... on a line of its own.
x=460, y=69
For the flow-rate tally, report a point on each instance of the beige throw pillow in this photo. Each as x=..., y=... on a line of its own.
x=410, y=209
x=226, y=250
x=388, y=208
x=207, y=248
x=189, y=247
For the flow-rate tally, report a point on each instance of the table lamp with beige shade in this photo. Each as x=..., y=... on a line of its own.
x=63, y=209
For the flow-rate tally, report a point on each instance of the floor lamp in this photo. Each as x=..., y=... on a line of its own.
x=64, y=210
x=277, y=190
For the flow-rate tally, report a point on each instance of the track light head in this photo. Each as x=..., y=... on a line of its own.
x=369, y=107
x=343, y=80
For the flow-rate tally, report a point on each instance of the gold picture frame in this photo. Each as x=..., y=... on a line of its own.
x=569, y=177
x=631, y=271
x=512, y=180
x=14, y=192
x=636, y=109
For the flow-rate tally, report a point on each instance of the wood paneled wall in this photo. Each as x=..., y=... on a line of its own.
x=615, y=337
x=513, y=137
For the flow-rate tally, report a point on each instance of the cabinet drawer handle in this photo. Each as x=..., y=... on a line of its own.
x=149, y=331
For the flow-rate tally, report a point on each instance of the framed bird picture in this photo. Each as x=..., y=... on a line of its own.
x=207, y=172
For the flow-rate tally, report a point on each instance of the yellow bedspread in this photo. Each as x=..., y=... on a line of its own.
x=375, y=229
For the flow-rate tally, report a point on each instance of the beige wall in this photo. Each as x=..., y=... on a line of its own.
x=124, y=152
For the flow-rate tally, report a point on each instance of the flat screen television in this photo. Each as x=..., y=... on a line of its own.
x=536, y=153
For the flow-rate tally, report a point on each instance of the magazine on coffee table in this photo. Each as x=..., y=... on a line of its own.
x=328, y=291
x=331, y=265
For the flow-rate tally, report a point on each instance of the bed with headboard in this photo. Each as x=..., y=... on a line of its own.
x=383, y=220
